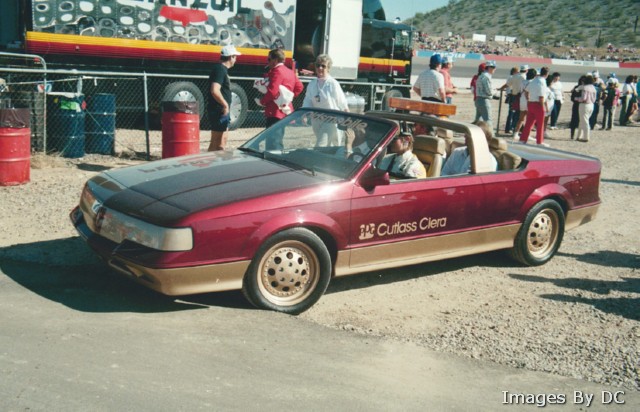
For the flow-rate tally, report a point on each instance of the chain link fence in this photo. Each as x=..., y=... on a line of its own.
x=75, y=112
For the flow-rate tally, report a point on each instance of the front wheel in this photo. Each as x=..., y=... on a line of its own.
x=289, y=273
x=540, y=236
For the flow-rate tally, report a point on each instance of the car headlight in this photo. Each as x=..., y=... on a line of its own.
x=119, y=227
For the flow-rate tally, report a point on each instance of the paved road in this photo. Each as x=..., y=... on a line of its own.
x=73, y=338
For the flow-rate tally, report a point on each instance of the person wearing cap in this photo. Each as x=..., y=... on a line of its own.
x=484, y=92
x=536, y=93
x=402, y=162
x=599, y=85
x=473, y=86
x=219, y=97
x=449, y=88
x=430, y=83
x=530, y=75
x=278, y=75
x=610, y=99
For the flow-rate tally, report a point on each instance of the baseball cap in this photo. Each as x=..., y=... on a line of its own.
x=482, y=66
x=491, y=63
x=447, y=59
x=229, y=50
x=524, y=67
x=595, y=73
x=436, y=59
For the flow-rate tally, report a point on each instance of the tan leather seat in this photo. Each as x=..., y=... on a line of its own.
x=430, y=150
x=506, y=160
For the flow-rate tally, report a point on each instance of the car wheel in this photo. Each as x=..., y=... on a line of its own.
x=289, y=273
x=541, y=234
x=239, y=106
x=388, y=95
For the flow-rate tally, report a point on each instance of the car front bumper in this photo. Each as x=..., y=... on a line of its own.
x=186, y=280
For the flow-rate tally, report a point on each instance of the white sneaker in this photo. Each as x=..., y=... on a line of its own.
x=516, y=137
x=544, y=144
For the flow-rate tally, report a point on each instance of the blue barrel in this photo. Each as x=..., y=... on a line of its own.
x=101, y=124
x=65, y=128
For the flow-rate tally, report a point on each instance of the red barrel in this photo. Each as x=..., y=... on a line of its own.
x=15, y=146
x=180, y=129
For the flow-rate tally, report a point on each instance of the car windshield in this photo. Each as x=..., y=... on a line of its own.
x=322, y=141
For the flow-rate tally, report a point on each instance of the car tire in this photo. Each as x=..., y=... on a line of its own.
x=541, y=234
x=388, y=95
x=185, y=92
x=289, y=272
x=239, y=106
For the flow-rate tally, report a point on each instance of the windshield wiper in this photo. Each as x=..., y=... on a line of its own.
x=251, y=150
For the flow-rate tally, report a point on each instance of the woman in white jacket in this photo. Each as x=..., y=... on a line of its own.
x=325, y=92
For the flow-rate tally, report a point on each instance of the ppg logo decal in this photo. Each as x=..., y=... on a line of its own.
x=367, y=231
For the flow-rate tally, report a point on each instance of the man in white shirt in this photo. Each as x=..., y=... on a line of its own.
x=430, y=83
x=536, y=93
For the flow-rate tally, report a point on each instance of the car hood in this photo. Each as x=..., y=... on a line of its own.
x=166, y=191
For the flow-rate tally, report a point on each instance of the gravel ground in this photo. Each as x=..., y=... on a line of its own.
x=577, y=316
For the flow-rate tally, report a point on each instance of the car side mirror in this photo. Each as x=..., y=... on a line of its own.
x=373, y=177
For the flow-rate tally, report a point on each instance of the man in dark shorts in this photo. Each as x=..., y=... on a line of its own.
x=220, y=97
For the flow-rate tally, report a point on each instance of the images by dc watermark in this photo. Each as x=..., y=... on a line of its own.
x=583, y=398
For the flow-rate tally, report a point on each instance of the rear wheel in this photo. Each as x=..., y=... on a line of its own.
x=289, y=273
x=239, y=106
x=541, y=234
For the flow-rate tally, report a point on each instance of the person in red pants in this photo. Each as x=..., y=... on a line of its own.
x=536, y=92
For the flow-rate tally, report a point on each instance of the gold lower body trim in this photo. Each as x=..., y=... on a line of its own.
x=416, y=251
x=187, y=280
x=578, y=217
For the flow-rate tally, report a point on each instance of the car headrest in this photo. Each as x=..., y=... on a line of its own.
x=444, y=133
x=498, y=144
x=430, y=144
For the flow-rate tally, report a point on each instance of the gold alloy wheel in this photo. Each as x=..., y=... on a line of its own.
x=543, y=233
x=288, y=273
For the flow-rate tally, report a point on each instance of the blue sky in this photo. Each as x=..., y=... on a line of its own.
x=408, y=8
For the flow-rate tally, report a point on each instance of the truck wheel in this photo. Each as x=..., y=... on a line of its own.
x=289, y=272
x=185, y=92
x=239, y=106
x=388, y=95
x=540, y=235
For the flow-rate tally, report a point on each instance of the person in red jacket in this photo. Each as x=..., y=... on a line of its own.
x=275, y=107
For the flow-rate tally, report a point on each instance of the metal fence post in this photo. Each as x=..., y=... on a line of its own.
x=146, y=113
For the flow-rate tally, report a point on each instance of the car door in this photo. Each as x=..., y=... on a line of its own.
x=407, y=220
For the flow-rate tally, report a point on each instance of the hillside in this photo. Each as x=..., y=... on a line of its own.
x=546, y=23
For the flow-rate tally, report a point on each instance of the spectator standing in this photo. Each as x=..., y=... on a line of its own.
x=610, y=99
x=449, y=88
x=586, y=99
x=599, y=85
x=632, y=106
x=484, y=92
x=274, y=108
x=219, y=98
x=625, y=98
x=430, y=83
x=524, y=109
x=576, y=92
x=556, y=88
x=536, y=93
x=508, y=87
x=325, y=92
x=474, y=83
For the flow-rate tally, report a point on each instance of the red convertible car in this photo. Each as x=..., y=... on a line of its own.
x=307, y=199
